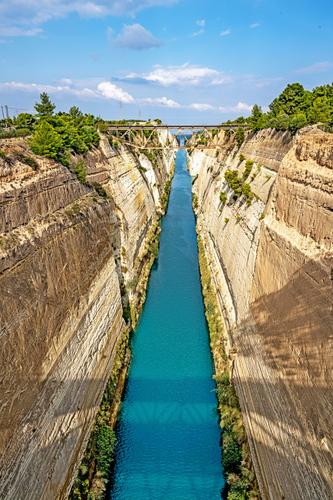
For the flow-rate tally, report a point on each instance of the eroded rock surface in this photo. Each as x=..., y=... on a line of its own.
x=272, y=264
x=67, y=255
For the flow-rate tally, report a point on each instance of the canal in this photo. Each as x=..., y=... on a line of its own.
x=168, y=432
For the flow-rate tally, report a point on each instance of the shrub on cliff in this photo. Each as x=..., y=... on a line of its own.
x=105, y=445
x=240, y=136
x=80, y=171
x=223, y=198
x=248, y=169
x=25, y=121
x=232, y=453
x=46, y=141
x=234, y=182
x=246, y=191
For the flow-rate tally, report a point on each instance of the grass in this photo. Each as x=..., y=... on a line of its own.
x=9, y=134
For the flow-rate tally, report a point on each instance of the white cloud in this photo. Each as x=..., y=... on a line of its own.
x=225, y=32
x=253, y=26
x=240, y=107
x=160, y=101
x=103, y=90
x=12, y=31
x=111, y=91
x=66, y=81
x=52, y=89
x=99, y=89
x=201, y=106
x=185, y=75
x=25, y=16
x=318, y=67
x=136, y=37
x=202, y=24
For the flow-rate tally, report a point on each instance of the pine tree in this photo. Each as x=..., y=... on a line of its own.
x=45, y=107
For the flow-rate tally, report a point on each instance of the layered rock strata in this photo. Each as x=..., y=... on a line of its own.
x=272, y=262
x=67, y=255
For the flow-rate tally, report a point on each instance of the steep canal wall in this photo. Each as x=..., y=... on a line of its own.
x=168, y=433
x=74, y=260
x=265, y=219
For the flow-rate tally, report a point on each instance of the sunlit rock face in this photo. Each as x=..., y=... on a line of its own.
x=272, y=264
x=66, y=255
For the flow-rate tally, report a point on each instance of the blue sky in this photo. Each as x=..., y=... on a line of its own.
x=180, y=60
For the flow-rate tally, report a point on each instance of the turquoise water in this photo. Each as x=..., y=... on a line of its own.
x=168, y=432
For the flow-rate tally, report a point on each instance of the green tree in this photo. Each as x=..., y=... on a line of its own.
x=240, y=136
x=297, y=121
x=292, y=100
x=25, y=120
x=46, y=141
x=280, y=122
x=322, y=110
x=75, y=112
x=45, y=107
x=256, y=118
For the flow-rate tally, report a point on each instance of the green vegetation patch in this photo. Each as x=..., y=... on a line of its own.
x=166, y=194
x=195, y=201
x=13, y=132
x=238, y=185
x=93, y=473
x=58, y=135
x=223, y=198
x=240, y=136
x=152, y=155
x=248, y=169
x=293, y=109
x=80, y=171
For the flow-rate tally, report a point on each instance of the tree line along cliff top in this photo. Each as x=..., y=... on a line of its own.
x=58, y=135
x=293, y=109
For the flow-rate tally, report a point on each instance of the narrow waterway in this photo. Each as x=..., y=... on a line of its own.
x=168, y=432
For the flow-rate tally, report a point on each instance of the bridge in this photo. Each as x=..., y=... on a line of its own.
x=143, y=136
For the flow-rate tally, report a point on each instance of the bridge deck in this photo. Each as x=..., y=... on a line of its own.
x=172, y=127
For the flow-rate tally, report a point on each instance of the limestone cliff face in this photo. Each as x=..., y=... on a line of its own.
x=272, y=264
x=66, y=256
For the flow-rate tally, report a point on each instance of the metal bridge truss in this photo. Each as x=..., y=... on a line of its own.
x=184, y=136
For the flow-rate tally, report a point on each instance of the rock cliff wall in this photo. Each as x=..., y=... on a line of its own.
x=272, y=264
x=68, y=252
